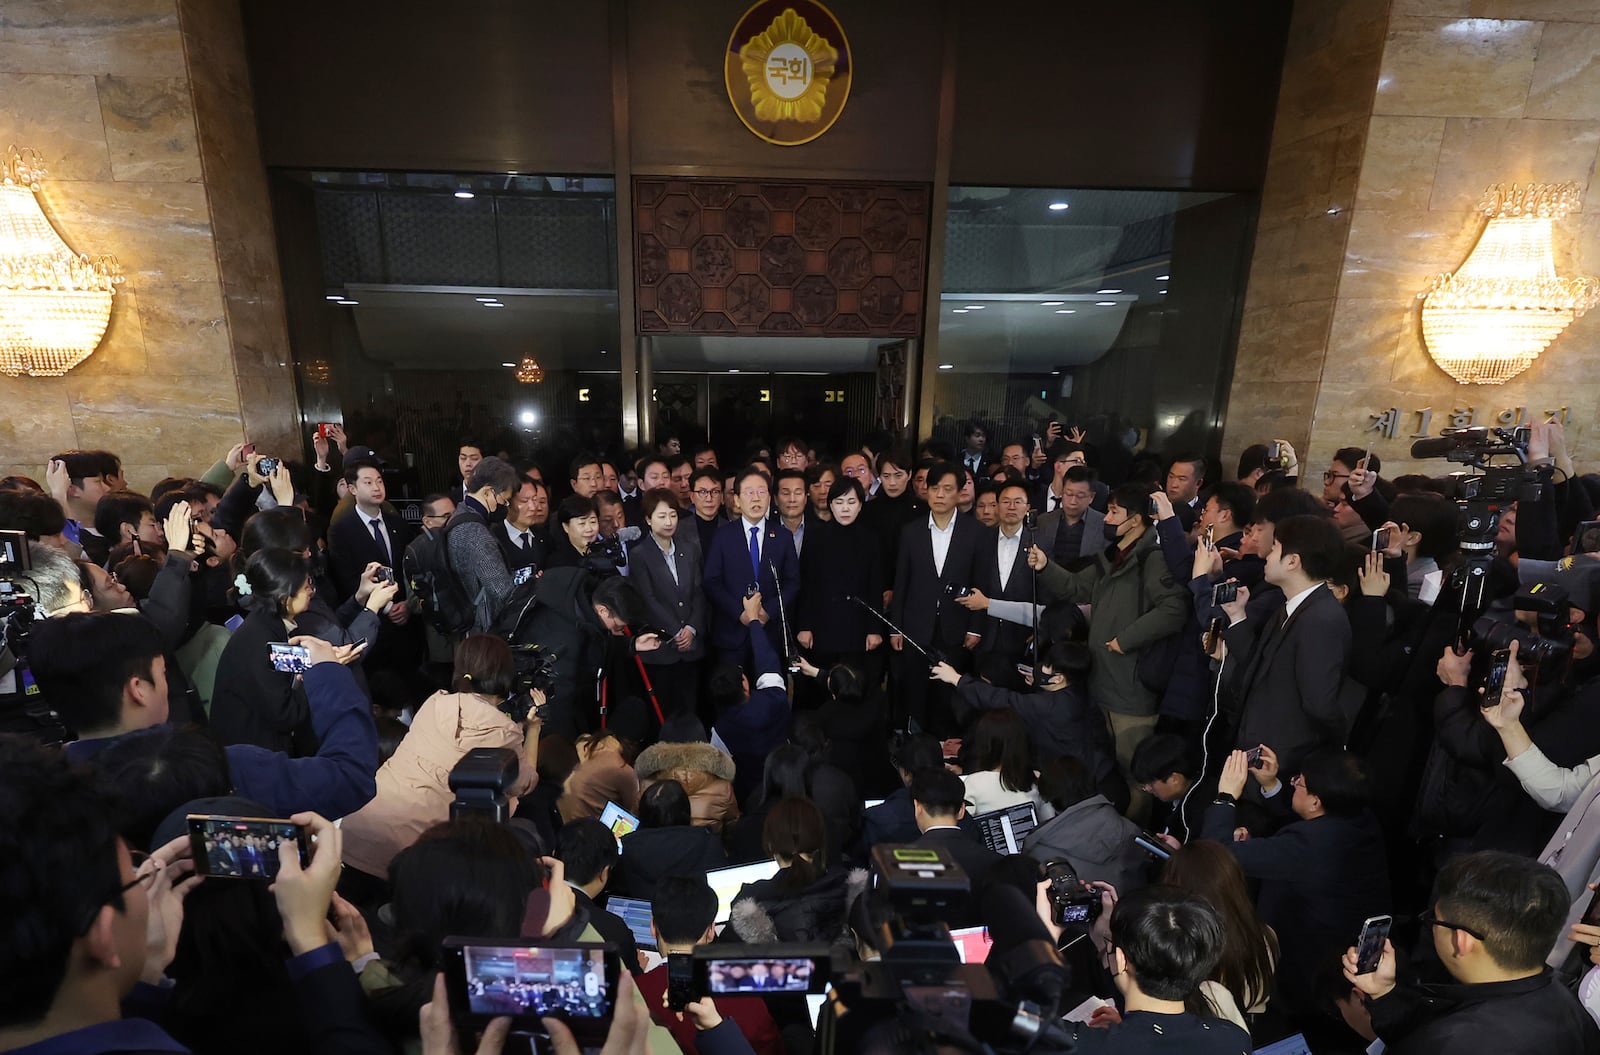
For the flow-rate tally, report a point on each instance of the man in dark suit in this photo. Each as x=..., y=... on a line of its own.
x=975, y=454
x=938, y=798
x=1291, y=662
x=936, y=553
x=750, y=550
x=1002, y=574
x=1070, y=534
x=371, y=536
x=589, y=851
x=521, y=538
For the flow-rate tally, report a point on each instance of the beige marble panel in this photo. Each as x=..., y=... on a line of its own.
x=271, y=414
x=1566, y=79
x=1476, y=154
x=1398, y=167
x=1550, y=10
x=160, y=232
x=1308, y=177
x=1329, y=80
x=37, y=422
x=1431, y=8
x=185, y=329
x=1284, y=342
x=135, y=38
x=59, y=116
x=149, y=128
x=1261, y=411
x=1364, y=338
x=121, y=351
x=175, y=418
x=1396, y=253
x=1442, y=67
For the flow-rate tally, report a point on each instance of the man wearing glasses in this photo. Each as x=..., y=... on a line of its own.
x=705, y=493
x=1494, y=918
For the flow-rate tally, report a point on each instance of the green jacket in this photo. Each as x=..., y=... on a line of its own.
x=1136, y=614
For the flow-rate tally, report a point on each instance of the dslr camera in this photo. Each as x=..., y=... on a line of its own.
x=1071, y=903
x=1549, y=640
x=536, y=669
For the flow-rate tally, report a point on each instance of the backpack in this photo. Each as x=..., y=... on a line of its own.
x=434, y=582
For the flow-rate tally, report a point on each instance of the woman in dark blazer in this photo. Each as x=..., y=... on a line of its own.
x=668, y=575
x=252, y=702
x=842, y=560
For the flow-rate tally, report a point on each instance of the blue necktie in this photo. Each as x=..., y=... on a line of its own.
x=755, y=553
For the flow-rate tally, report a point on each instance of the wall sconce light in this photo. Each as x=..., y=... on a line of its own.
x=1488, y=322
x=54, y=303
x=529, y=372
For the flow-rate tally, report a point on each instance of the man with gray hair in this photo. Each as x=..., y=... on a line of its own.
x=54, y=582
x=475, y=557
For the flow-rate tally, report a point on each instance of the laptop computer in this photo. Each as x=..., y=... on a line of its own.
x=972, y=943
x=728, y=881
x=619, y=820
x=1004, y=830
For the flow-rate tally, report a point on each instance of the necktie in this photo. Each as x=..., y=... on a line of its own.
x=755, y=553
x=377, y=536
x=527, y=543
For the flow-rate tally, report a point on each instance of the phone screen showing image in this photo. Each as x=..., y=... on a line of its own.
x=1369, y=947
x=289, y=659
x=1494, y=682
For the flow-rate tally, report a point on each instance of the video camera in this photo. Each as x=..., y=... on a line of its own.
x=1548, y=641
x=536, y=671
x=921, y=986
x=23, y=709
x=1481, y=496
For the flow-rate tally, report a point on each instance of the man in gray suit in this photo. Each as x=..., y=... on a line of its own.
x=474, y=555
x=1074, y=530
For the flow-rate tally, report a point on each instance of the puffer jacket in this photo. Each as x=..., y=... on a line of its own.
x=1137, y=603
x=1098, y=841
x=705, y=773
x=763, y=913
x=414, y=785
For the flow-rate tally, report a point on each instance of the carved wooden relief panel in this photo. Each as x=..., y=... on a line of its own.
x=798, y=259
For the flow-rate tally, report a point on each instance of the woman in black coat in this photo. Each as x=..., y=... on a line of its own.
x=666, y=843
x=253, y=703
x=807, y=900
x=842, y=560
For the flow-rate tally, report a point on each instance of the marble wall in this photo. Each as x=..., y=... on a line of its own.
x=143, y=118
x=1361, y=212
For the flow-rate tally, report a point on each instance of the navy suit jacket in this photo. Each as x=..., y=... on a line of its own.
x=727, y=576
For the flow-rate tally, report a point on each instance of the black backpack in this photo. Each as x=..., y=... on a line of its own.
x=434, y=582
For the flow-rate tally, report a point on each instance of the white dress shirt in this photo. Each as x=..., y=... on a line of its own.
x=941, y=541
x=1006, y=551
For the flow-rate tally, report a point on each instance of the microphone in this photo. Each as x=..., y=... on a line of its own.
x=1434, y=447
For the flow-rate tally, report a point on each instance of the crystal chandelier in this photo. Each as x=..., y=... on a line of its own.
x=54, y=303
x=1488, y=322
x=529, y=372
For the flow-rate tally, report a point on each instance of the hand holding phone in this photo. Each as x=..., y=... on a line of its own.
x=680, y=980
x=1370, y=945
x=288, y=659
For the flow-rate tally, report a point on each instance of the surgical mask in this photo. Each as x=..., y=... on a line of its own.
x=1113, y=531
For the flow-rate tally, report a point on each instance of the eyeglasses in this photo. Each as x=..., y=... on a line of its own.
x=707, y=492
x=859, y=470
x=1434, y=921
x=1329, y=476
x=142, y=876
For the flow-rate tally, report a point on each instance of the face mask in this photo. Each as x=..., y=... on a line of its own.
x=1113, y=531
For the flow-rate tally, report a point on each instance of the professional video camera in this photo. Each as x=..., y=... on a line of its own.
x=482, y=782
x=1548, y=641
x=536, y=671
x=23, y=709
x=1482, y=496
x=921, y=988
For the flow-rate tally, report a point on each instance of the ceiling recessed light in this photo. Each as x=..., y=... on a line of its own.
x=1103, y=292
x=1058, y=206
x=512, y=365
x=1054, y=303
x=1105, y=303
x=733, y=370
x=334, y=296
x=347, y=303
x=947, y=366
x=494, y=304
x=465, y=194
x=958, y=311
x=1162, y=292
x=528, y=417
x=1162, y=278
x=485, y=300
x=1066, y=311
x=976, y=307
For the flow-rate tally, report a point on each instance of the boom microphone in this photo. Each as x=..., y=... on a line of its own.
x=1436, y=446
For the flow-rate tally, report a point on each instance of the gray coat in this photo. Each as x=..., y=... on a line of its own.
x=1096, y=839
x=673, y=604
x=1135, y=603
x=1094, y=539
x=476, y=559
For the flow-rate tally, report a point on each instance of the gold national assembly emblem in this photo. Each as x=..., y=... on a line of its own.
x=788, y=70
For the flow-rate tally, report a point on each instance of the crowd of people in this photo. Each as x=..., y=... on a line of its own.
x=1262, y=723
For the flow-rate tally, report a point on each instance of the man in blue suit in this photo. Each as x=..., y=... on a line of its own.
x=750, y=550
